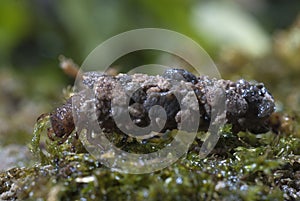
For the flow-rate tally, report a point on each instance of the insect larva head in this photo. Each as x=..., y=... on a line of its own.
x=62, y=123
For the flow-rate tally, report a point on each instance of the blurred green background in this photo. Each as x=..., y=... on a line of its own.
x=258, y=39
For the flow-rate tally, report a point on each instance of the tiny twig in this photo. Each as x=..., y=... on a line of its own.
x=69, y=66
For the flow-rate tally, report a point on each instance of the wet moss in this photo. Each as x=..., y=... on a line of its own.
x=241, y=167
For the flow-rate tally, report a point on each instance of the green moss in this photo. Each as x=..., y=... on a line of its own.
x=38, y=130
x=241, y=167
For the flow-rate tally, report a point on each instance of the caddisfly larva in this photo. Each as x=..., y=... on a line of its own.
x=248, y=104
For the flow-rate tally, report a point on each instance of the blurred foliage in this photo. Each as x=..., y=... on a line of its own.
x=34, y=33
x=257, y=39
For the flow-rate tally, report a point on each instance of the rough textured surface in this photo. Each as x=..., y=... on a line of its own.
x=248, y=104
x=62, y=119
